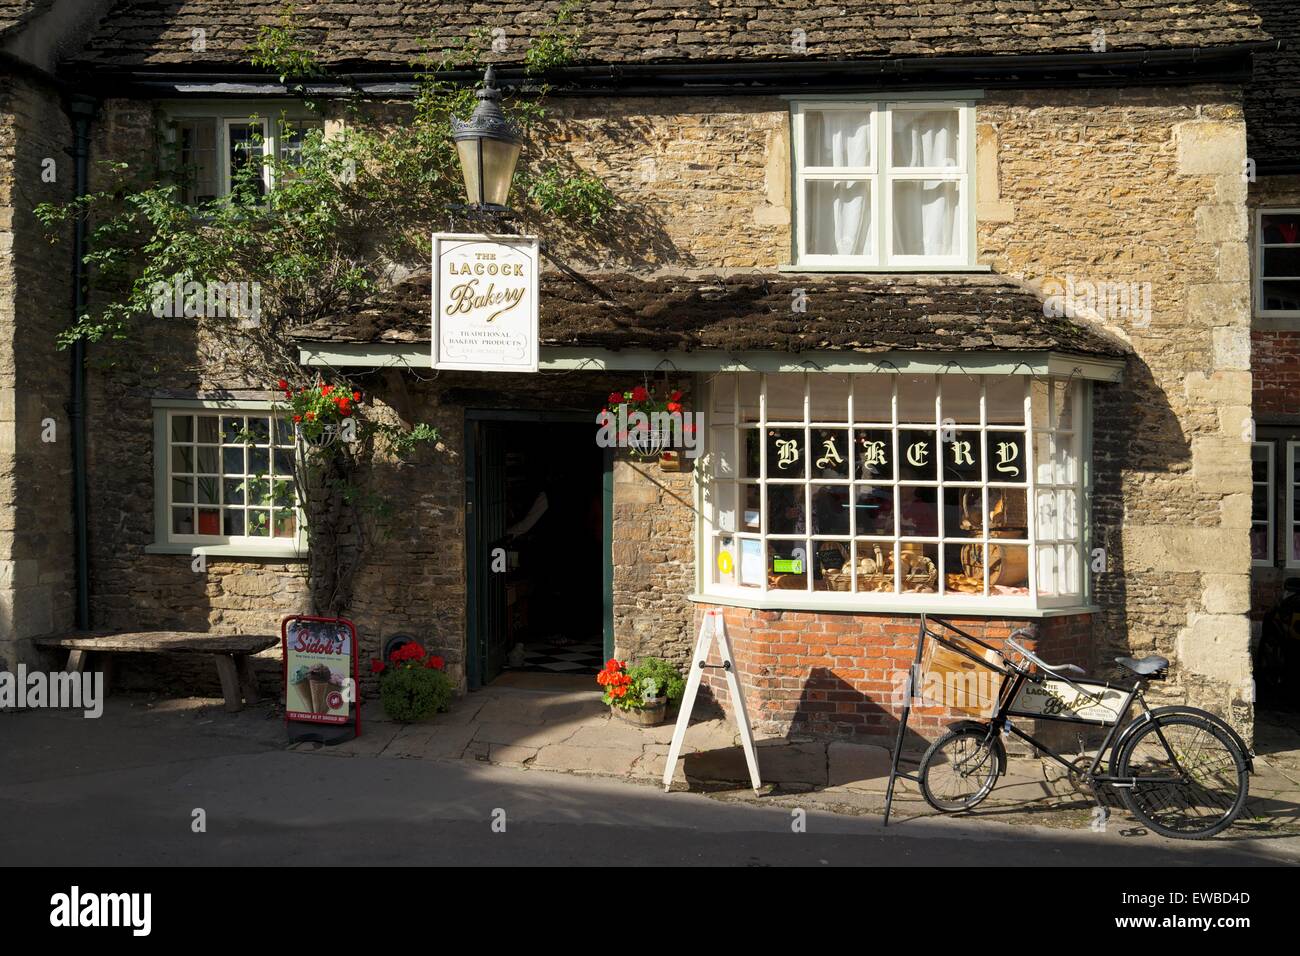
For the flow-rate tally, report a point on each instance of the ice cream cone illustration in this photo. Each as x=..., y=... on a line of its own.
x=319, y=678
x=301, y=682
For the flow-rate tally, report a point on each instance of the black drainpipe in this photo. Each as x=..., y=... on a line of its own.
x=81, y=108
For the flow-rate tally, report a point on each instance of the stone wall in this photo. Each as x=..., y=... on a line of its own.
x=37, y=564
x=1116, y=185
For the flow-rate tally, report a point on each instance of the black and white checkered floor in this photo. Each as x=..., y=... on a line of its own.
x=577, y=658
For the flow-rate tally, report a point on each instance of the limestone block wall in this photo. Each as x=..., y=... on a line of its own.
x=37, y=566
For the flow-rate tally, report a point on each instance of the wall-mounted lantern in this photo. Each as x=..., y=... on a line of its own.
x=488, y=146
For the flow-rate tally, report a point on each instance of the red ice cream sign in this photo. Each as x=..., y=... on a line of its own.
x=320, y=672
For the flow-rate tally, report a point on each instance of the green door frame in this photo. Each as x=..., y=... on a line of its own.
x=474, y=563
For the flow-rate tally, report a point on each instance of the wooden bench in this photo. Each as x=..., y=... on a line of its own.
x=229, y=651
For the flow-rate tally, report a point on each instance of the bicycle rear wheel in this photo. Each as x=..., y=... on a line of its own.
x=1213, y=784
x=959, y=770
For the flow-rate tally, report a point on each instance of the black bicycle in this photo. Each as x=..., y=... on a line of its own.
x=1181, y=771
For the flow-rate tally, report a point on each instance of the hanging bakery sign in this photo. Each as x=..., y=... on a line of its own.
x=485, y=303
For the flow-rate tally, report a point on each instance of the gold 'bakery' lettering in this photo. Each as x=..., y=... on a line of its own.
x=1008, y=451
x=831, y=456
x=961, y=453
x=466, y=298
x=917, y=452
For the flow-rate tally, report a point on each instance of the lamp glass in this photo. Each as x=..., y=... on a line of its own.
x=498, y=164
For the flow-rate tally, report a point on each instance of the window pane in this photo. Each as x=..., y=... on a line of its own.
x=232, y=460
x=749, y=387
x=1063, y=405
x=234, y=521
x=245, y=154
x=207, y=459
x=919, y=564
x=961, y=398
x=182, y=521
x=963, y=569
x=722, y=397
x=830, y=505
x=963, y=512
x=1284, y=261
x=1259, y=542
x=284, y=432
x=786, y=454
x=925, y=138
x=233, y=490
x=925, y=217
x=753, y=506
x=918, y=460
x=839, y=217
x=722, y=452
x=293, y=135
x=721, y=495
x=1068, y=562
x=1004, y=399
x=209, y=491
x=209, y=521
x=231, y=427
x=284, y=461
x=1008, y=569
x=785, y=398
x=961, y=455
x=1006, y=456
x=837, y=137
x=182, y=428
x=196, y=140
x=260, y=429
x=753, y=452
x=875, y=453
x=209, y=429
x=1008, y=513
x=873, y=398
x=787, y=564
x=286, y=523
x=182, y=458
x=1280, y=295
x=1280, y=227
x=830, y=451
x=828, y=397
x=916, y=399
x=259, y=461
x=919, y=512
x=183, y=490
x=875, y=508
x=259, y=523
x=725, y=558
x=876, y=566
x=785, y=510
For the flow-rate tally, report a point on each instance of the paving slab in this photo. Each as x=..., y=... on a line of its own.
x=511, y=756
x=432, y=742
x=612, y=732
x=603, y=760
x=857, y=766
x=523, y=735
x=790, y=763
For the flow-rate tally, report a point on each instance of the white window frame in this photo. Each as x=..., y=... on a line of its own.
x=1293, y=503
x=881, y=176
x=1270, y=558
x=1259, y=264
x=251, y=546
x=235, y=113
x=1037, y=423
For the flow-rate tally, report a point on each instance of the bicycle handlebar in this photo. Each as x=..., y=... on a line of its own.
x=1054, y=669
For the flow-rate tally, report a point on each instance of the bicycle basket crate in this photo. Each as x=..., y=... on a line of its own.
x=952, y=680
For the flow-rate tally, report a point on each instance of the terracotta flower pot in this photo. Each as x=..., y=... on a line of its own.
x=648, y=716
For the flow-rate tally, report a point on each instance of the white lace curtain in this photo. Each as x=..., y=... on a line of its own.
x=924, y=216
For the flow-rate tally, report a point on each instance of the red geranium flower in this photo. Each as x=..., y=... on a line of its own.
x=297, y=418
x=639, y=394
x=674, y=406
x=675, y=396
x=283, y=384
x=615, y=398
x=377, y=666
x=436, y=662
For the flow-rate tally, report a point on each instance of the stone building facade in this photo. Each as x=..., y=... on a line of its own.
x=1134, y=182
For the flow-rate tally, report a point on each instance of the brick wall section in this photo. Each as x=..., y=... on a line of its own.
x=1275, y=357
x=840, y=674
x=37, y=576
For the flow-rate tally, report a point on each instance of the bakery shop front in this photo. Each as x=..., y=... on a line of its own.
x=904, y=445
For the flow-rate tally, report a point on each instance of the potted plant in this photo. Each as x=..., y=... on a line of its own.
x=320, y=411
x=413, y=684
x=640, y=695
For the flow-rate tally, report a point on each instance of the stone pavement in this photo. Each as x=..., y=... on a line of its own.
x=572, y=732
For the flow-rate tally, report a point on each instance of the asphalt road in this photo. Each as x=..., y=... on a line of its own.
x=78, y=793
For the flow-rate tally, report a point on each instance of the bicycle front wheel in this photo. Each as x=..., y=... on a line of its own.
x=959, y=770
x=1210, y=778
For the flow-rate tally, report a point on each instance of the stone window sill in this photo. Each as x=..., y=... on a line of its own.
x=941, y=608
x=269, y=553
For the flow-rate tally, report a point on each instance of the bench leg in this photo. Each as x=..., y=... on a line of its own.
x=247, y=679
x=77, y=661
x=229, y=682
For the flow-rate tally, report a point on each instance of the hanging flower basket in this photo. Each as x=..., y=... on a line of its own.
x=646, y=424
x=320, y=411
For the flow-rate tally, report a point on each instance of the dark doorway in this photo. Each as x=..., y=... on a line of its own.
x=538, y=524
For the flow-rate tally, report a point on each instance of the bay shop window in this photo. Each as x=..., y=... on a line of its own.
x=849, y=490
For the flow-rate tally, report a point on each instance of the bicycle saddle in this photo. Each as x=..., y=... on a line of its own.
x=1145, y=667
